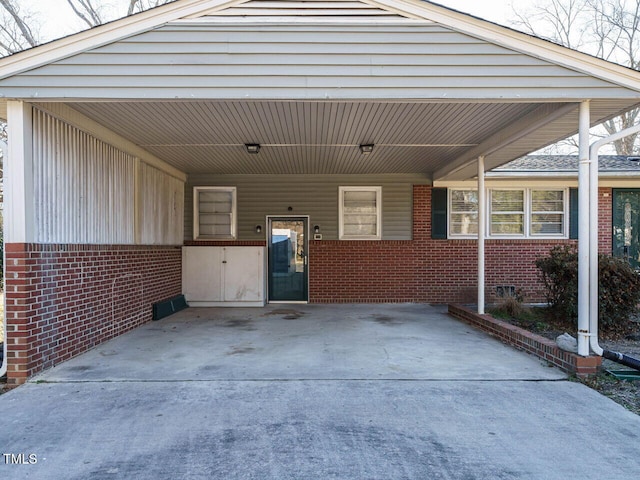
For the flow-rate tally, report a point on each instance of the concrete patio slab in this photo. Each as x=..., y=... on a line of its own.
x=407, y=341
x=309, y=392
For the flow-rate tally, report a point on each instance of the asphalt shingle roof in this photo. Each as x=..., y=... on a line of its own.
x=568, y=163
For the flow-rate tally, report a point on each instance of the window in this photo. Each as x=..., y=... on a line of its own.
x=360, y=213
x=547, y=212
x=464, y=212
x=528, y=213
x=214, y=213
x=507, y=212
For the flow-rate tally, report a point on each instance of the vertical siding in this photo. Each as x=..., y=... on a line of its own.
x=161, y=207
x=313, y=195
x=83, y=187
x=85, y=191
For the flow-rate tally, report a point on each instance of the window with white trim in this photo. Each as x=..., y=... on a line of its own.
x=360, y=213
x=506, y=212
x=463, y=212
x=547, y=213
x=528, y=213
x=214, y=213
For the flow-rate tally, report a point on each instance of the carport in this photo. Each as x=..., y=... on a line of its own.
x=284, y=104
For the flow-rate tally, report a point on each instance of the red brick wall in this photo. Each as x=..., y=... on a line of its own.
x=427, y=270
x=605, y=220
x=64, y=299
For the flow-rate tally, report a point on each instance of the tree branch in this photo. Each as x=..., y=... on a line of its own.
x=12, y=10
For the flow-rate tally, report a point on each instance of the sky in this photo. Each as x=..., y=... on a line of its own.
x=57, y=19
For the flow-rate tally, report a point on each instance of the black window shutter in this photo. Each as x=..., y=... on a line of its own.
x=573, y=213
x=439, y=213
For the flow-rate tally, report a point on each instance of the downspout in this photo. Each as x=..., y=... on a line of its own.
x=481, y=233
x=583, y=230
x=3, y=367
x=593, y=251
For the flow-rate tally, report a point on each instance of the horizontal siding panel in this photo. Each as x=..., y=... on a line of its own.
x=289, y=93
x=218, y=61
x=316, y=196
x=556, y=83
x=104, y=60
x=274, y=34
x=176, y=70
x=314, y=12
x=84, y=187
x=294, y=48
x=302, y=8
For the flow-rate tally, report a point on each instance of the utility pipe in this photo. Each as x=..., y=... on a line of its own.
x=593, y=252
x=482, y=205
x=3, y=367
x=584, y=216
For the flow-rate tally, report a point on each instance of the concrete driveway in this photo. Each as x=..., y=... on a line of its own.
x=312, y=391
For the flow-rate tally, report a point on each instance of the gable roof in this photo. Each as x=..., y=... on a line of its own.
x=368, y=11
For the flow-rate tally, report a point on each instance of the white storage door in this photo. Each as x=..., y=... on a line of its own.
x=202, y=274
x=244, y=274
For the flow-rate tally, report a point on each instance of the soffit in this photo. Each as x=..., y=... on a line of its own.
x=307, y=137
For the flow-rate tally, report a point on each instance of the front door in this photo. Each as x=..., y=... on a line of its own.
x=626, y=225
x=288, y=246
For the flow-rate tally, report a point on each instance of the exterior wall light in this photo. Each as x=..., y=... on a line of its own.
x=316, y=229
x=258, y=228
x=252, y=148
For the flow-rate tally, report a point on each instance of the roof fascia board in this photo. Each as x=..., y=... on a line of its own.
x=521, y=42
x=82, y=122
x=101, y=35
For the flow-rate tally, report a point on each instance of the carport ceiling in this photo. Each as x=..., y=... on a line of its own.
x=311, y=137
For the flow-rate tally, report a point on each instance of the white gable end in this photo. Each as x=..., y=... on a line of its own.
x=317, y=9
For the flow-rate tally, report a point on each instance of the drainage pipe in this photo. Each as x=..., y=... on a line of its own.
x=481, y=230
x=3, y=366
x=593, y=251
x=583, y=230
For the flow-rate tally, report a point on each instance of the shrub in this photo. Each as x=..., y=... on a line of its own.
x=618, y=284
x=511, y=305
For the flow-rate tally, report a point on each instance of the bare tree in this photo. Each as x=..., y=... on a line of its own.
x=141, y=5
x=15, y=28
x=609, y=29
x=86, y=12
x=560, y=21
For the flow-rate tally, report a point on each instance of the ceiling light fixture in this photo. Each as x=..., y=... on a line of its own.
x=252, y=148
x=366, y=149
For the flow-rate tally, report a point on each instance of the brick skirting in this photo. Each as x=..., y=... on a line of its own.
x=537, y=345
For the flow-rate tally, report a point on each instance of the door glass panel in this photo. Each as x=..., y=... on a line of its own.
x=626, y=225
x=288, y=259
